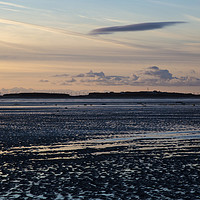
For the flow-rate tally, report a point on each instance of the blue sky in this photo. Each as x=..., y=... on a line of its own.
x=46, y=44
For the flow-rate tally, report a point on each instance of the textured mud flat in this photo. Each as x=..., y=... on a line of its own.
x=138, y=171
x=139, y=152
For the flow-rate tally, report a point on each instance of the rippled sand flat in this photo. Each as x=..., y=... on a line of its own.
x=100, y=149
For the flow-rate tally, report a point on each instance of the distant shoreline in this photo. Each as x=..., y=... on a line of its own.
x=107, y=95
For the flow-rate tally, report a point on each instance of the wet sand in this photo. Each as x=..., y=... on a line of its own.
x=133, y=151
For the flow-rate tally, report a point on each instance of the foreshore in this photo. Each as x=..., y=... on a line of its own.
x=109, y=151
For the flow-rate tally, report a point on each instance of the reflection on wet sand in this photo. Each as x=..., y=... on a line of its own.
x=156, y=141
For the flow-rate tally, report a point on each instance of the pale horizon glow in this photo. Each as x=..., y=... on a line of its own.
x=41, y=41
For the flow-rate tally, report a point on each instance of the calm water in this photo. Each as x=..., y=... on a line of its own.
x=99, y=149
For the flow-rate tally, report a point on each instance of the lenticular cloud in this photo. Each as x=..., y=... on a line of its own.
x=133, y=27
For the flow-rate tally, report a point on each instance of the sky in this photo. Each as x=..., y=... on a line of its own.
x=90, y=45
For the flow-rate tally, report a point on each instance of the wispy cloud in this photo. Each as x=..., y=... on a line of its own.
x=12, y=4
x=193, y=18
x=116, y=20
x=43, y=28
x=151, y=76
x=165, y=3
x=44, y=81
x=61, y=75
x=10, y=9
x=104, y=19
x=18, y=47
x=134, y=27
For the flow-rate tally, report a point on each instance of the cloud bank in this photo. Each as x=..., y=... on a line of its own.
x=151, y=76
x=26, y=90
x=134, y=27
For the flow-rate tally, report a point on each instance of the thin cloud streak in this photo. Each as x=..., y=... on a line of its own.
x=18, y=47
x=165, y=3
x=103, y=19
x=115, y=20
x=12, y=4
x=134, y=27
x=43, y=28
x=10, y=9
x=193, y=18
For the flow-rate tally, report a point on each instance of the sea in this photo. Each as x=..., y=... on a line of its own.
x=99, y=149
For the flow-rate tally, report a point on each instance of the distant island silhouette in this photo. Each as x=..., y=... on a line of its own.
x=106, y=95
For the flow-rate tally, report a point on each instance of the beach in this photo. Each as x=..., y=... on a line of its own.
x=99, y=149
